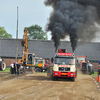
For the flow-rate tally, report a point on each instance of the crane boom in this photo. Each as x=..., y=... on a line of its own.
x=28, y=59
x=25, y=45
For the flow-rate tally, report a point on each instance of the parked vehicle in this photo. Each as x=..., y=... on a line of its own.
x=85, y=66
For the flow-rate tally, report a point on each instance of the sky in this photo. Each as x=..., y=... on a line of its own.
x=30, y=12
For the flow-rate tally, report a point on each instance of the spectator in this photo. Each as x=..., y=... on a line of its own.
x=18, y=68
x=12, y=68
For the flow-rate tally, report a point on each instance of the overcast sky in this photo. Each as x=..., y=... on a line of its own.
x=31, y=12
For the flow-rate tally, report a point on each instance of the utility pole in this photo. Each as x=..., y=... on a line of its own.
x=17, y=36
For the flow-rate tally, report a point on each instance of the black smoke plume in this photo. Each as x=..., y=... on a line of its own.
x=73, y=18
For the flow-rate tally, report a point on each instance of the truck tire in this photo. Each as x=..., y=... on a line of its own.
x=73, y=79
x=54, y=78
x=75, y=73
x=2, y=65
x=38, y=69
x=90, y=70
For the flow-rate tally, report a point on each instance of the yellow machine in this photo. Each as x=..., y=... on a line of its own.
x=28, y=59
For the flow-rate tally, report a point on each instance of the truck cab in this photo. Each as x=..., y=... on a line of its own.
x=63, y=66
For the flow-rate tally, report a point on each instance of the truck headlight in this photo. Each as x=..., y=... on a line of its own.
x=72, y=74
x=56, y=73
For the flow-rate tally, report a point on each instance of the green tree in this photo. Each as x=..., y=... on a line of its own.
x=36, y=32
x=4, y=34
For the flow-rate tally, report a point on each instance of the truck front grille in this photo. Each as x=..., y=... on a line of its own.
x=84, y=66
x=64, y=69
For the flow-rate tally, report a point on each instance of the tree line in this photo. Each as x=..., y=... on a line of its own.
x=33, y=32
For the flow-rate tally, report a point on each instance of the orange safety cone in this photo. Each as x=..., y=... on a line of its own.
x=99, y=78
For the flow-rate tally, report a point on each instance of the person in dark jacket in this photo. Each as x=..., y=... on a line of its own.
x=14, y=67
x=18, y=68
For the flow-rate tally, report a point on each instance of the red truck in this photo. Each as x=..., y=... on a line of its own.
x=47, y=63
x=83, y=65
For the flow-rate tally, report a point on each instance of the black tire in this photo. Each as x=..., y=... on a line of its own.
x=75, y=73
x=2, y=65
x=90, y=70
x=38, y=70
x=73, y=79
x=54, y=78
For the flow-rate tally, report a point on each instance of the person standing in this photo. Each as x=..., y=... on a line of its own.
x=12, y=68
x=18, y=68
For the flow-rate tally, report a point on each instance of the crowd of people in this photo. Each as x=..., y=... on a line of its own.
x=15, y=68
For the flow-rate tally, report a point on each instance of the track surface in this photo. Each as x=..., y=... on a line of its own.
x=40, y=87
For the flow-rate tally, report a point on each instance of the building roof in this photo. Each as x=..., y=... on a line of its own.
x=46, y=49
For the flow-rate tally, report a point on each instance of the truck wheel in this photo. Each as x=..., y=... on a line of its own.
x=2, y=65
x=38, y=69
x=54, y=78
x=73, y=79
x=90, y=70
x=76, y=74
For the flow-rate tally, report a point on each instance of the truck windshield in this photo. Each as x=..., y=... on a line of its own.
x=80, y=59
x=64, y=61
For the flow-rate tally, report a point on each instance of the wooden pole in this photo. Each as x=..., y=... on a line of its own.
x=17, y=36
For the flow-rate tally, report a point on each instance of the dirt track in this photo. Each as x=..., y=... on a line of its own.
x=40, y=87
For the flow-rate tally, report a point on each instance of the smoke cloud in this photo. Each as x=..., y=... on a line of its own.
x=73, y=18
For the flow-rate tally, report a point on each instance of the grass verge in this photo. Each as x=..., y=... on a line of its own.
x=7, y=70
x=95, y=74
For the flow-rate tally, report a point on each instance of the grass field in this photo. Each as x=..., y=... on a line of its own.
x=6, y=70
x=95, y=74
